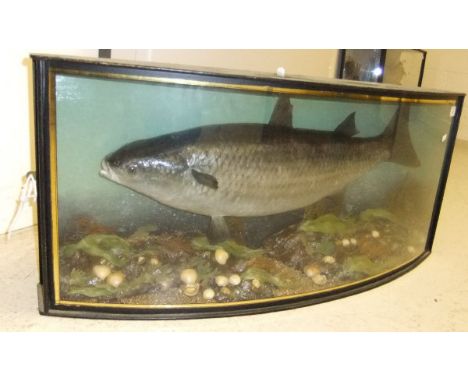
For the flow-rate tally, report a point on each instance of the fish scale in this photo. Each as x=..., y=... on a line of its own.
x=261, y=179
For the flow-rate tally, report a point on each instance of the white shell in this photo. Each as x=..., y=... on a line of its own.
x=154, y=261
x=319, y=279
x=101, y=271
x=189, y=276
x=353, y=241
x=208, y=294
x=311, y=270
x=191, y=290
x=115, y=279
x=345, y=242
x=329, y=260
x=256, y=283
x=234, y=279
x=221, y=280
x=375, y=234
x=221, y=256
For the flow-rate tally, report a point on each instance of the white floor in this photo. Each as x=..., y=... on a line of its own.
x=432, y=297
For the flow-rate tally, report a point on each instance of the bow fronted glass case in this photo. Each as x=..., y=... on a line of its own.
x=177, y=192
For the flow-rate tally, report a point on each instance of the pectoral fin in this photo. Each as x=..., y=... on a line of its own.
x=205, y=179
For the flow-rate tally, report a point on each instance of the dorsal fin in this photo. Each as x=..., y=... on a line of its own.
x=282, y=113
x=347, y=128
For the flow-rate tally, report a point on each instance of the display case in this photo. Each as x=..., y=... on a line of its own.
x=179, y=192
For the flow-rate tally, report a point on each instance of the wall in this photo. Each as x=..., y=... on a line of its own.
x=448, y=70
x=17, y=130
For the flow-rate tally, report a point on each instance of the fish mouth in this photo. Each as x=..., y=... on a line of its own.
x=105, y=171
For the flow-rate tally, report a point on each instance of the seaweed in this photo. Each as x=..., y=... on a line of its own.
x=110, y=247
x=362, y=264
x=201, y=243
x=274, y=272
x=79, y=278
x=326, y=247
x=328, y=224
x=377, y=213
x=99, y=290
x=203, y=266
x=263, y=276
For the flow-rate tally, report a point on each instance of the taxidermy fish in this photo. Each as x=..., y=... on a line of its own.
x=247, y=169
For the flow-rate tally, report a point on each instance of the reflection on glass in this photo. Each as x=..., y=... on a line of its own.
x=363, y=65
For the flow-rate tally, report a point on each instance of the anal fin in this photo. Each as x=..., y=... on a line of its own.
x=219, y=230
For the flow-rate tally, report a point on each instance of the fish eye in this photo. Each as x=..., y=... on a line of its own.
x=132, y=169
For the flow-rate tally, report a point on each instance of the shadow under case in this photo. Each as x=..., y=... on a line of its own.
x=178, y=192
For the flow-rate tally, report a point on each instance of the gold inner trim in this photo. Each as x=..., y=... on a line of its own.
x=178, y=81
x=53, y=187
x=253, y=88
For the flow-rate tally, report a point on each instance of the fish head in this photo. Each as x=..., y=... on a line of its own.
x=155, y=167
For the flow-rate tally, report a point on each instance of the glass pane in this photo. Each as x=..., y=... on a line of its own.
x=173, y=195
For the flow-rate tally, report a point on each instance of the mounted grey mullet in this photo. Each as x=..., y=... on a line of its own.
x=250, y=169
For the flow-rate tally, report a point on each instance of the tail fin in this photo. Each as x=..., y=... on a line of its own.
x=402, y=149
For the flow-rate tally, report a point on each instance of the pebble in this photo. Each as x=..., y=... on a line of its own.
x=101, y=271
x=115, y=279
x=141, y=259
x=353, y=241
x=256, y=283
x=311, y=270
x=208, y=294
x=225, y=290
x=329, y=260
x=319, y=279
x=221, y=280
x=234, y=279
x=345, y=242
x=189, y=276
x=221, y=256
x=375, y=234
x=154, y=261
